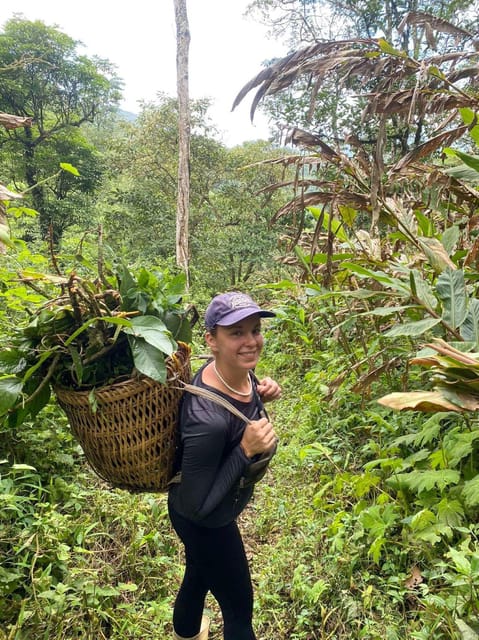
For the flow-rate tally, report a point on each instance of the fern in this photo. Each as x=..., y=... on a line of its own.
x=458, y=445
x=470, y=492
x=420, y=481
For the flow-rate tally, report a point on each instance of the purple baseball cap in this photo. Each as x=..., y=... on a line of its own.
x=228, y=308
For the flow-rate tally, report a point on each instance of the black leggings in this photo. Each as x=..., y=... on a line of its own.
x=216, y=562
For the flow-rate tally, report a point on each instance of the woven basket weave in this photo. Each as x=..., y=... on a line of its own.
x=130, y=440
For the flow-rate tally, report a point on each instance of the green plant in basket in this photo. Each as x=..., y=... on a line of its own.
x=90, y=333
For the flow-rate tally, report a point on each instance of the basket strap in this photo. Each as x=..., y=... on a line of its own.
x=214, y=397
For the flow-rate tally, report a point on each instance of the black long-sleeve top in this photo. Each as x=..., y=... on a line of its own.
x=212, y=491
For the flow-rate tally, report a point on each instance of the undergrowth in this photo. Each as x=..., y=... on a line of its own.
x=361, y=538
x=79, y=560
x=350, y=536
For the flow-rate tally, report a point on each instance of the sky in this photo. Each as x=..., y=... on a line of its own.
x=139, y=37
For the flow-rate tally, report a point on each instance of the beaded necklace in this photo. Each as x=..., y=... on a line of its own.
x=221, y=379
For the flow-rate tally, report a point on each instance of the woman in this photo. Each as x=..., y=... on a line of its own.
x=218, y=470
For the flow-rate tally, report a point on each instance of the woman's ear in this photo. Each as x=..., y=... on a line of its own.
x=210, y=339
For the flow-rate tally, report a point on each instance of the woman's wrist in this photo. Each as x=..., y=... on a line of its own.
x=245, y=451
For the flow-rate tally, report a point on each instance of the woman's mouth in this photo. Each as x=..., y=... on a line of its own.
x=248, y=354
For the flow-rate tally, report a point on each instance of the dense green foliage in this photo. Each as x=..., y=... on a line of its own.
x=339, y=548
x=382, y=547
x=228, y=195
x=367, y=526
x=45, y=78
x=90, y=332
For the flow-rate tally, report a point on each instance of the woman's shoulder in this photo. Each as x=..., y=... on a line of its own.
x=196, y=409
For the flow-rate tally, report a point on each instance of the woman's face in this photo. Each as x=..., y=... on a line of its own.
x=238, y=345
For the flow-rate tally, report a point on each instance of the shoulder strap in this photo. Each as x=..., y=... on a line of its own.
x=214, y=397
x=259, y=403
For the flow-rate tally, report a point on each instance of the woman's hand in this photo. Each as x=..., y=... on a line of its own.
x=258, y=436
x=268, y=389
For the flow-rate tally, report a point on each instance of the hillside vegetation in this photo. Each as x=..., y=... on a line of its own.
x=359, y=229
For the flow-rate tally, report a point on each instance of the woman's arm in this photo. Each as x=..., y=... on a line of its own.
x=206, y=475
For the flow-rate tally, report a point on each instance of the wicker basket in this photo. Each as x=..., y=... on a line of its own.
x=130, y=440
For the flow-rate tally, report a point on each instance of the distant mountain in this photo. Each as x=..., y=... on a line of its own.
x=127, y=115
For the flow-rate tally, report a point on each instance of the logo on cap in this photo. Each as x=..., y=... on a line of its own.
x=240, y=301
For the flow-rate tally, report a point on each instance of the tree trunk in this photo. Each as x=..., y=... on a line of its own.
x=183, y=200
x=3, y=222
x=9, y=121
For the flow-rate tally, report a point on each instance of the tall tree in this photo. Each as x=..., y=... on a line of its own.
x=230, y=237
x=142, y=191
x=45, y=78
x=183, y=206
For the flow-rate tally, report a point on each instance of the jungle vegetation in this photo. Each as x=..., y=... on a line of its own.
x=357, y=223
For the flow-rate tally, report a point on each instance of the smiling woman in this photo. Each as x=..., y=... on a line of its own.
x=220, y=464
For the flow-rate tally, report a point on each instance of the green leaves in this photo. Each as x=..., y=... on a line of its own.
x=10, y=388
x=469, y=160
x=460, y=311
x=92, y=335
x=412, y=329
x=149, y=341
x=69, y=168
x=5, y=237
x=378, y=520
x=148, y=360
x=390, y=50
x=329, y=222
x=420, y=481
x=451, y=290
x=12, y=361
x=154, y=332
x=470, y=493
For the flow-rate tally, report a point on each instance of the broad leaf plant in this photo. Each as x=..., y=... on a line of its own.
x=91, y=331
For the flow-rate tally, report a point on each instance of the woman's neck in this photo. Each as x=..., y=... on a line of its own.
x=238, y=383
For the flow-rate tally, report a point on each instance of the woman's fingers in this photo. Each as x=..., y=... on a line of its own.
x=269, y=389
x=258, y=436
